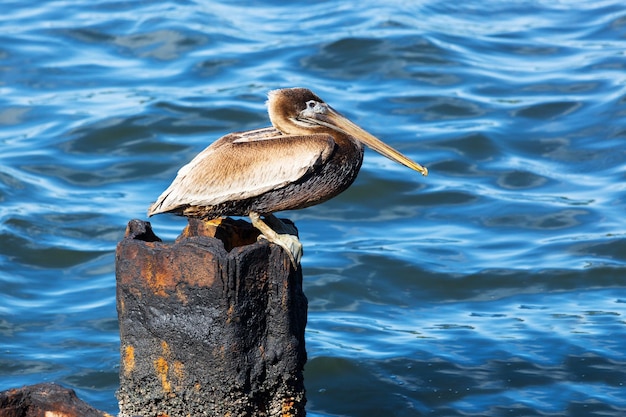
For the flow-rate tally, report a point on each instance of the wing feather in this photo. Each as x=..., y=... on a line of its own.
x=244, y=165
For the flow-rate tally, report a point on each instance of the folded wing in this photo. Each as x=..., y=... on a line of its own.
x=243, y=165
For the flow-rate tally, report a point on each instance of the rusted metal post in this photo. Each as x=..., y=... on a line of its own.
x=211, y=325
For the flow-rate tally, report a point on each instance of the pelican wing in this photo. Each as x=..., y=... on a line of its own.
x=244, y=165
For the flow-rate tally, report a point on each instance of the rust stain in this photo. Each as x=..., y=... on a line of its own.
x=129, y=359
x=231, y=233
x=214, y=222
x=179, y=371
x=161, y=366
x=157, y=274
x=163, y=269
x=206, y=228
x=165, y=348
x=287, y=407
x=170, y=270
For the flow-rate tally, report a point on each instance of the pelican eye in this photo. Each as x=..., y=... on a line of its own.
x=311, y=104
x=314, y=107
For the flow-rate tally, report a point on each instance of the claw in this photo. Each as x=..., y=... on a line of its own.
x=290, y=243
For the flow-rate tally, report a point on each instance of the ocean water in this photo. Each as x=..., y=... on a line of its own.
x=496, y=286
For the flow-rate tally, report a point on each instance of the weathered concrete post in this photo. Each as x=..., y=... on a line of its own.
x=209, y=326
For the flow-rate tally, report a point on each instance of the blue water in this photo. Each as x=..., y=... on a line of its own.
x=496, y=286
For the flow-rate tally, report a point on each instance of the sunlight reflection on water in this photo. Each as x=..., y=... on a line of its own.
x=493, y=286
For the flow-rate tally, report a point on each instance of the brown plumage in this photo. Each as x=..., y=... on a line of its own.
x=311, y=154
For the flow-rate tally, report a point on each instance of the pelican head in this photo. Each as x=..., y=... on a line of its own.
x=298, y=111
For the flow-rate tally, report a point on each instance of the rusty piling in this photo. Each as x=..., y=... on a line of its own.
x=212, y=324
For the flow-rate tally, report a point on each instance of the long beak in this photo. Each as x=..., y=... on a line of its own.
x=338, y=122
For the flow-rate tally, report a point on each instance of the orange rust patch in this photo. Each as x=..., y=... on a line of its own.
x=287, y=407
x=213, y=222
x=161, y=366
x=129, y=359
x=179, y=371
x=206, y=228
x=164, y=269
x=158, y=275
x=165, y=348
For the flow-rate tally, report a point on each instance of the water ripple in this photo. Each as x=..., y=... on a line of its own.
x=493, y=286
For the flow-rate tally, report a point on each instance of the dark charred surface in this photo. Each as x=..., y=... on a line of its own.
x=45, y=400
x=209, y=331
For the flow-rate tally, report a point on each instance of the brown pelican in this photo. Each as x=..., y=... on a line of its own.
x=311, y=154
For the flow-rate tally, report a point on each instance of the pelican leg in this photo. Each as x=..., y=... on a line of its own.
x=281, y=236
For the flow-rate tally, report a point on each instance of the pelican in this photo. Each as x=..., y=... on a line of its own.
x=309, y=155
